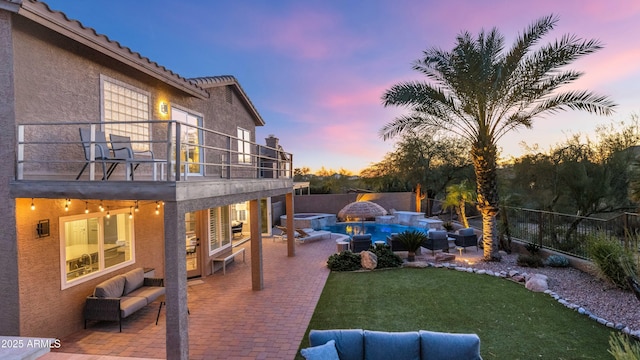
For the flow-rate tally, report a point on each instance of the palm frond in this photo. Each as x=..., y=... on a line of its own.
x=576, y=100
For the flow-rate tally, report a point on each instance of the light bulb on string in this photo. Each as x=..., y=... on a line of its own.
x=33, y=206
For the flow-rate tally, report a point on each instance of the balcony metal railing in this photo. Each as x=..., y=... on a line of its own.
x=181, y=151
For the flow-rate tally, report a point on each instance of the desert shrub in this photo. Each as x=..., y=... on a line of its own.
x=622, y=347
x=532, y=248
x=532, y=261
x=612, y=260
x=386, y=257
x=557, y=261
x=344, y=261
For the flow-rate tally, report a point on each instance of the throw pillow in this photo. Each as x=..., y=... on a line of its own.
x=321, y=352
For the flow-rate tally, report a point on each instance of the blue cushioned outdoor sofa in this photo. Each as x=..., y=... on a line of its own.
x=357, y=344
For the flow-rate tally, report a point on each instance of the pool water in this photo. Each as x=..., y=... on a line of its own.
x=379, y=232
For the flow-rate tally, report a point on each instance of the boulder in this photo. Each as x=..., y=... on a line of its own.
x=368, y=260
x=537, y=283
x=444, y=257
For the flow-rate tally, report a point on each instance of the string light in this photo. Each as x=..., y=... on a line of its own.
x=33, y=207
x=133, y=208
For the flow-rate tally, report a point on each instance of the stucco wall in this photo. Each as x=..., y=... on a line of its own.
x=46, y=310
x=58, y=80
x=9, y=298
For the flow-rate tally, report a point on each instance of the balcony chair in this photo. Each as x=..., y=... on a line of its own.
x=466, y=237
x=122, y=149
x=102, y=153
x=437, y=240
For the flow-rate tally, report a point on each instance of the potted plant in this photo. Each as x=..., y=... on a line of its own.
x=412, y=240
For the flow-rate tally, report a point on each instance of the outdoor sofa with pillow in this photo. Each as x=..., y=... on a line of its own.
x=357, y=344
x=121, y=296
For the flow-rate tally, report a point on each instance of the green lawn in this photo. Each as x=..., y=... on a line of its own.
x=512, y=322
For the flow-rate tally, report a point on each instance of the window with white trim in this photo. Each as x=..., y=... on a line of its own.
x=244, y=146
x=125, y=111
x=219, y=229
x=95, y=244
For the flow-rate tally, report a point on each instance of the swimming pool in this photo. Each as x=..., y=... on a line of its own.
x=379, y=232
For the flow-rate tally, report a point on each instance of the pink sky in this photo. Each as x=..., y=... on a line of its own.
x=316, y=69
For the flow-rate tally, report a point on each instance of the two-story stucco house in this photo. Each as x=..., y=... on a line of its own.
x=77, y=210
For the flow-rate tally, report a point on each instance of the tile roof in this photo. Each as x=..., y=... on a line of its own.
x=58, y=21
x=208, y=82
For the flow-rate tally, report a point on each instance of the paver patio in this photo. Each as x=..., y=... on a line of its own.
x=228, y=320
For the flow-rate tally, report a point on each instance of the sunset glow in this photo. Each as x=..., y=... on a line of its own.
x=316, y=70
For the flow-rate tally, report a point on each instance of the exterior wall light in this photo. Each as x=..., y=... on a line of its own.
x=164, y=108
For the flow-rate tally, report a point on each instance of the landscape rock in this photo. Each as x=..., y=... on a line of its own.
x=518, y=278
x=537, y=283
x=368, y=260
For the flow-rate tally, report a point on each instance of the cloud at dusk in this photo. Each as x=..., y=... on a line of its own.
x=316, y=70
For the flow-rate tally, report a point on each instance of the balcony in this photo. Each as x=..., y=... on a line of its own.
x=50, y=157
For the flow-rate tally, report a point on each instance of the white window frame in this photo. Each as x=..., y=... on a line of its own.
x=121, y=102
x=219, y=231
x=199, y=119
x=244, y=146
x=65, y=284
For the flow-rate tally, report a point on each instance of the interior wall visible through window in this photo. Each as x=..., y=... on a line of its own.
x=125, y=111
x=94, y=244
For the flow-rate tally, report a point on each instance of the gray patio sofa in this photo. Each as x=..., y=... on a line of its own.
x=121, y=296
x=357, y=344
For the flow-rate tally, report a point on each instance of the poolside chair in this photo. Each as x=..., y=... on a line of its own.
x=465, y=237
x=283, y=233
x=311, y=234
x=236, y=229
x=395, y=243
x=437, y=240
x=360, y=243
x=102, y=153
x=122, y=149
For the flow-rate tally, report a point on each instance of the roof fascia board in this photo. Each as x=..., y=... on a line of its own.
x=11, y=6
x=109, y=48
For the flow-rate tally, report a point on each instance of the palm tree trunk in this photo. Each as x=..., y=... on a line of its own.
x=484, y=157
x=462, y=213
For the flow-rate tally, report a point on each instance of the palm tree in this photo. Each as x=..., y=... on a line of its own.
x=481, y=92
x=458, y=195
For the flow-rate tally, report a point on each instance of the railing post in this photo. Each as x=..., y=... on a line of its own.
x=228, y=157
x=20, y=164
x=169, y=150
x=92, y=154
x=178, y=146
